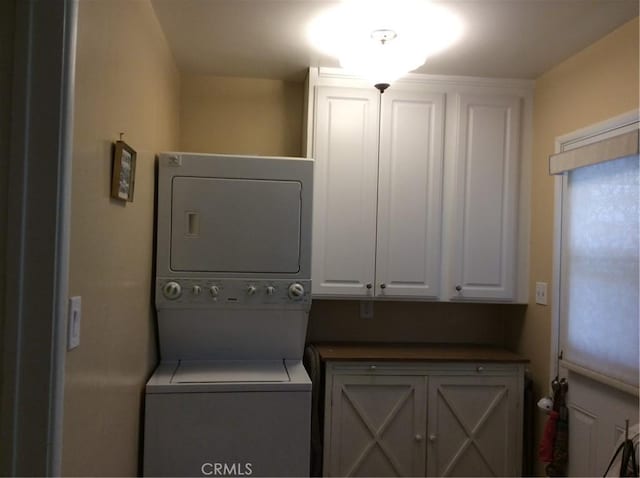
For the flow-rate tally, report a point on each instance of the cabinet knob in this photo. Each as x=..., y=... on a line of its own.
x=418, y=437
x=372, y=367
x=458, y=287
x=479, y=368
x=383, y=286
x=433, y=437
x=369, y=285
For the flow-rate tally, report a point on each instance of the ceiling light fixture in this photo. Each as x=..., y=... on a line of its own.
x=382, y=40
x=383, y=60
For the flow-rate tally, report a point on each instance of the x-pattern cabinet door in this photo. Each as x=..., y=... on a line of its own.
x=378, y=426
x=471, y=426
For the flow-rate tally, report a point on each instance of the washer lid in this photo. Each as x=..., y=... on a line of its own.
x=230, y=371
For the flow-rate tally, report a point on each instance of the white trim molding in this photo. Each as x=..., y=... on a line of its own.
x=38, y=239
x=620, y=146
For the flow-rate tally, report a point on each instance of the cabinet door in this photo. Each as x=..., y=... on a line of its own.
x=410, y=194
x=486, y=203
x=345, y=183
x=377, y=426
x=474, y=426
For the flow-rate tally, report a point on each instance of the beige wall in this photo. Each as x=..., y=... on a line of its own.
x=597, y=83
x=412, y=322
x=241, y=116
x=126, y=81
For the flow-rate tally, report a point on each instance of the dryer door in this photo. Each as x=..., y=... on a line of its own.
x=235, y=225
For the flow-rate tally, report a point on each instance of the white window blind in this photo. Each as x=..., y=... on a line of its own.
x=599, y=289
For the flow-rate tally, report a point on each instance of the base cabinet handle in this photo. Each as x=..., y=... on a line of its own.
x=433, y=437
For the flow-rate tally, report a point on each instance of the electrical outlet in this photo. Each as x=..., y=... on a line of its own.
x=73, y=330
x=366, y=309
x=541, y=293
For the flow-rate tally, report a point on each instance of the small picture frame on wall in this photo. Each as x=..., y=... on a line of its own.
x=123, y=177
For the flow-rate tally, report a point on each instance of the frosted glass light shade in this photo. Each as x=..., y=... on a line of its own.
x=382, y=63
x=422, y=29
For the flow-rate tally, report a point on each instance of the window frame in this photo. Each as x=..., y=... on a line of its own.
x=591, y=134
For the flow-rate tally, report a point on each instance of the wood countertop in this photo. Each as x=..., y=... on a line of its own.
x=417, y=352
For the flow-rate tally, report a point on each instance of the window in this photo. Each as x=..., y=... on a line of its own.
x=599, y=272
x=597, y=262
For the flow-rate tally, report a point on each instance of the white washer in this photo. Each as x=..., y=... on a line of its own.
x=233, y=282
x=227, y=418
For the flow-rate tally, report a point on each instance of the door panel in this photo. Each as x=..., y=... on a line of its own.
x=235, y=225
x=410, y=194
x=472, y=423
x=487, y=155
x=345, y=177
x=597, y=414
x=377, y=426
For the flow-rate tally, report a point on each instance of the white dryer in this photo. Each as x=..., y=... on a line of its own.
x=231, y=396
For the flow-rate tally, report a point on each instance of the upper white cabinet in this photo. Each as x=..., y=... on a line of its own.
x=421, y=192
x=377, y=192
x=410, y=194
x=486, y=157
x=345, y=190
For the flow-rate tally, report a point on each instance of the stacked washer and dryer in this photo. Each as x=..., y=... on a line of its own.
x=232, y=293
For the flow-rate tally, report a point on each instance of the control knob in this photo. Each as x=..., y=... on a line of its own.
x=296, y=291
x=214, y=290
x=172, y=290
x=196, y=290
x=271, y=290
x=251, y=290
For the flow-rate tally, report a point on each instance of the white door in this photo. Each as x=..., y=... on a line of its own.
x=597, y=240
x=345, y=150
x=410, y=194
x=486, y=202
x=473, y=424
x=377, y=426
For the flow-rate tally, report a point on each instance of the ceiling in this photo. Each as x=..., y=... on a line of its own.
x=267, y=38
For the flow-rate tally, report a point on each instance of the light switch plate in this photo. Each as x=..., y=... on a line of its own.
x=75, y=314
x=541, y=293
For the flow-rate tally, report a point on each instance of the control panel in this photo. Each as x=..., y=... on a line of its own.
x=193, y=292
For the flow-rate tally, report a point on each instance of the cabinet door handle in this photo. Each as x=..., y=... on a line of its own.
x=459, y=288
x=433, y=437
x=372, y=367
x=383, y=286
x=479, y=369
x=418, y=437
x=369, y=285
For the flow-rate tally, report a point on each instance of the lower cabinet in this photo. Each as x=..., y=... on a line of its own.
x=416, y=419
x=377, y=426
